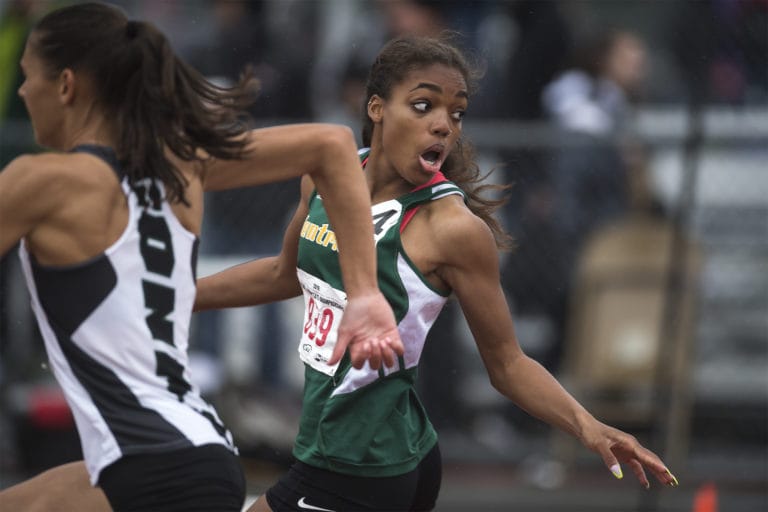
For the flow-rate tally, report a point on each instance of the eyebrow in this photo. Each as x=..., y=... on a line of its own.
x=436, y=88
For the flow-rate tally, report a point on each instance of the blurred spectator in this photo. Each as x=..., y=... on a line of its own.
x=592, y=103
x=526, y=44
x=593, y=97
x=583, y=186
x=722, y=49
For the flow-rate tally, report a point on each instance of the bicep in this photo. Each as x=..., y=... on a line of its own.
x=275, y=154
x=473, y=274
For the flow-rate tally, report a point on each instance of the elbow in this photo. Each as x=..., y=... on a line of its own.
x=497, y=383
x=503, y=371
x=336, y=140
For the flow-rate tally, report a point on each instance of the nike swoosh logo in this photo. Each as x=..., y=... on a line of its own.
x=306, y=506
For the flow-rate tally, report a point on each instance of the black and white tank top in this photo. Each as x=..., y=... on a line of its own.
x=116, y=333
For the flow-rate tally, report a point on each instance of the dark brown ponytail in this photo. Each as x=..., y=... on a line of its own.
x=157, y=101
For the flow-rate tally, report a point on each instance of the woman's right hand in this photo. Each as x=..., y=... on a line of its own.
x=368, y=328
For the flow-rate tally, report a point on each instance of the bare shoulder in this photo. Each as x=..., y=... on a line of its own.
x=460, y=233
x=466, y=252
x=43, y=184
x=56, y=171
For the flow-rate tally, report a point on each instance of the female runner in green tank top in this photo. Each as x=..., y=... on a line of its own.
x=365, y=442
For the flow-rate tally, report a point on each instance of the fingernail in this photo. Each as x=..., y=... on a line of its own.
x=674, y=482
x=616, y=470
x=647, y=485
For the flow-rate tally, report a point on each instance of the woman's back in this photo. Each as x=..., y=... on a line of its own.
x=115, y=323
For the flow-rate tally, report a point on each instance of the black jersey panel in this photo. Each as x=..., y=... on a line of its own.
x=116, y=403
x=134, y=426
x=93, y=281
x=193, y=263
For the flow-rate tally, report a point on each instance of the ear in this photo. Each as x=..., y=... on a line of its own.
x=375, y=108
x=67, y=86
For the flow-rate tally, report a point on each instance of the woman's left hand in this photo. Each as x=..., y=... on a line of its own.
x=617, y=447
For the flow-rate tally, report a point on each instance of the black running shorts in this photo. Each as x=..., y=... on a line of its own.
x=201, y=479
x=306, y=488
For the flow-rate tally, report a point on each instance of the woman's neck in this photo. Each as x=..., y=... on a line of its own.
x=90, y=127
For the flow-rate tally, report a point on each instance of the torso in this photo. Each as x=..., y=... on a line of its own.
x=114, y=310
x=331, y=434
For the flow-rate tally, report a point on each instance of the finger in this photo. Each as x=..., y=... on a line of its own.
x=359, y=353
x=374, y=359
x=669, y=479
x=395, y=343
x=342, y=341
x=610, y=461
x=651, y=461
x=639, y=472
x=388, y=353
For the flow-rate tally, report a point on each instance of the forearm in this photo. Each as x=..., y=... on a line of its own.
x=249, y=284
x=341, y=184
x=530, y=386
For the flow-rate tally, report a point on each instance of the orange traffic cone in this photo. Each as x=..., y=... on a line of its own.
x=705, y=499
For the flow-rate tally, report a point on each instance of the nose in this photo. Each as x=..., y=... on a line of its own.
x=441, y=124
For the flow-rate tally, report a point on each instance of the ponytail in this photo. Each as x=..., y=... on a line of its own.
x=157, y=101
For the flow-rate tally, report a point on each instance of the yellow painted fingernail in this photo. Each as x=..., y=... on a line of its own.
x=674, y=482
x=616, y=470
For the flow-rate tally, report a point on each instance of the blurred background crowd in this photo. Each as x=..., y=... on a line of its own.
x=635, y=134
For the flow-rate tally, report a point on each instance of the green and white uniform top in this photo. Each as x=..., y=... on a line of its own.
x=365, y=422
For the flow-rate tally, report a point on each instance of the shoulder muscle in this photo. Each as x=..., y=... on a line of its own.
x=464, y=240
x=33, y=188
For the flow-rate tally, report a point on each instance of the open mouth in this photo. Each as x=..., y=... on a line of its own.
x=432, y=159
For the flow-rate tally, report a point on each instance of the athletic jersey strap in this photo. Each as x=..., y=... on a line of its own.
x=363, y=154
x=105, y=153
x=439, y=177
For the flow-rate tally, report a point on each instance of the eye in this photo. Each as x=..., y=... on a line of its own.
x=458, y=115
x=421, y=106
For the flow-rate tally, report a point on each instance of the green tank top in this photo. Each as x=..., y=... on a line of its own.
x=365, y=422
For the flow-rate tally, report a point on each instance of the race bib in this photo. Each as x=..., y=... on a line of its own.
x=323, y=309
